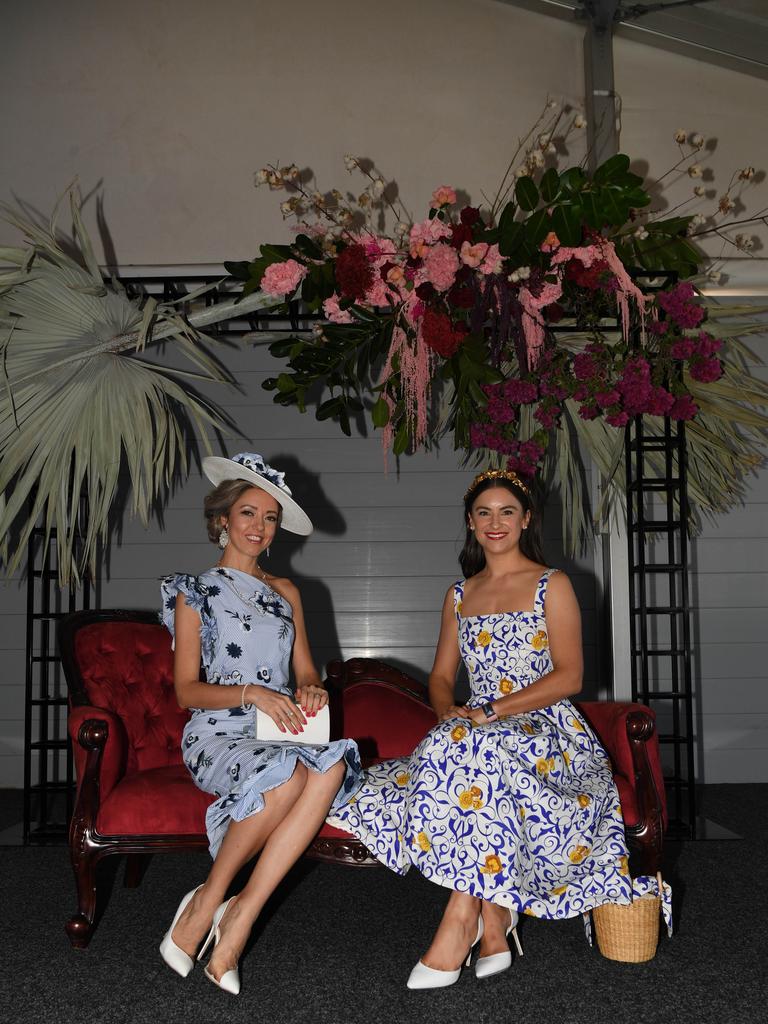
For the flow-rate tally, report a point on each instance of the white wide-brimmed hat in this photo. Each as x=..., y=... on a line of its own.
x=251, y=467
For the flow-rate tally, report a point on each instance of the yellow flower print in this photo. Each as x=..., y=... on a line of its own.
x=465, y=800
x=506, y=686
x=567, y=759
x=623, y=865
x=422, y=840
x=403, y=778
x=458, y=733
x=619, y=811
x=584, y=800
x=483, y=638
x=460, y=607
x=542, y=766
x=577, y=725
x=521, y=813
x=578, y=853
x=528, y=728
x=539, y=641
x=559, y=890
x=529, y=912
x=551, y=763
x=493, y=865
x=477, y=797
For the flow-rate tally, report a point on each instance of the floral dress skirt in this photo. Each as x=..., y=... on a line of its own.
x=524, y=811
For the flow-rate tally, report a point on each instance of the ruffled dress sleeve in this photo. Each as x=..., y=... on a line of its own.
x=196, y=596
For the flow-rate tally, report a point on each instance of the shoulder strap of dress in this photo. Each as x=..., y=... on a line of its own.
x=541, y=591
x=458, y=597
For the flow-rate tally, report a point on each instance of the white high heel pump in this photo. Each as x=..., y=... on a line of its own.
x=230, y=980
x=487, y=966
x=428, y=977
x=174, y=955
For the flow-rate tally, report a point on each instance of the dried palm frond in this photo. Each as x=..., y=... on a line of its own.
x=78, y=405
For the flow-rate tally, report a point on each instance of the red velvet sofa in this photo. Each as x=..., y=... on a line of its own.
x=135, y=795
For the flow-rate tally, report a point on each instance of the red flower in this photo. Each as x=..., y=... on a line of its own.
x=460, y=233
x=469, y=215
x=439, y=333
x=461, y=296
x=684, y=408
x=354, y=274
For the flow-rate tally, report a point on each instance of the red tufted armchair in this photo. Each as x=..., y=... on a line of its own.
x=136, y=797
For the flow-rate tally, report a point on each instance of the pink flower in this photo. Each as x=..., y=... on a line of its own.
x=440, y=266
x=492, y=262
x=378, y=294
x=473, y=255
x=334, y=313
x=443, y=196
x=426, y=233
x=282, y=278
x=606, y=398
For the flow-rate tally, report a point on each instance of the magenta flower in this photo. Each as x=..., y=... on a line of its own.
x=683, y=348
x=706, y=370
x=683, y=408
x=283, y=278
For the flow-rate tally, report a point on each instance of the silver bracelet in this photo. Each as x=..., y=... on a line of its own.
x=242, y=698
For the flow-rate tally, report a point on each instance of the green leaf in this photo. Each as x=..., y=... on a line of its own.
x=537, y=227
x=402, y=437
x=241, y=270
x=549, y=185
x=614, y=168
x=526, y=193
x=566, y=223
x=511, y=237
x=328, y=409
x=380, y=413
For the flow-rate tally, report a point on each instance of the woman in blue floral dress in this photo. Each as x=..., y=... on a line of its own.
x=248, y=629
x=509, y=801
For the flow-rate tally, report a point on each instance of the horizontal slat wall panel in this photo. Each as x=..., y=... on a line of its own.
x=344, y=594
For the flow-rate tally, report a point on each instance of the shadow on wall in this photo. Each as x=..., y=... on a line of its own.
x=327, y=519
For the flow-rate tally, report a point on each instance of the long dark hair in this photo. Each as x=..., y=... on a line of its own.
x=472, y=557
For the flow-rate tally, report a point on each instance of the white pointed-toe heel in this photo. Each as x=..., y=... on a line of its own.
x=428, y=977
x=174, y=955
x=487, y=966
x=230, y=980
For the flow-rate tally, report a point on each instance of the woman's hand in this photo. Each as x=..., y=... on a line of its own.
x=454, y=711
x=286, y=715
x=311, y=698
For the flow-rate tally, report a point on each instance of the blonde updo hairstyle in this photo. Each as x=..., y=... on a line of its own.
x=218, y=503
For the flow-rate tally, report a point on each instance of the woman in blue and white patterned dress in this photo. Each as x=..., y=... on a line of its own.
x=510, y=799
x=248, y=628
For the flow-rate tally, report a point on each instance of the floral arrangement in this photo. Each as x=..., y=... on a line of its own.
x=520, y=328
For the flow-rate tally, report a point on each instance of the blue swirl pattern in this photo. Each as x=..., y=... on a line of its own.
x=246, y=635
x=523, y=811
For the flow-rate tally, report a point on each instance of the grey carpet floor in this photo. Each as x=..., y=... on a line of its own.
x=337, y=944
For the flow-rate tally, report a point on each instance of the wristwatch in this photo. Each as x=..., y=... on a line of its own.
x=490, y=714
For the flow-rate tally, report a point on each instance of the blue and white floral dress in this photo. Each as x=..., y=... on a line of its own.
x=246, y=633
x=523, y=811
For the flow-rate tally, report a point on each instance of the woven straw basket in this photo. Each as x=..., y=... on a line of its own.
x=628, y=933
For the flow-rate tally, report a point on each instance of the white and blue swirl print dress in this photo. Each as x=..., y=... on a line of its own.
x=523, y=811
x=246, y=633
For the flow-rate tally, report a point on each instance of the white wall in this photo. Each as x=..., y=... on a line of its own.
x=168, y=109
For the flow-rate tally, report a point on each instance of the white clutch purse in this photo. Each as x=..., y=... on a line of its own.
x=316, y=730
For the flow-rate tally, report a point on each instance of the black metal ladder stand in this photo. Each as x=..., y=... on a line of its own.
x=659, y=606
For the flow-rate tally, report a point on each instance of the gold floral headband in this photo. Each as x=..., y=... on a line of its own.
x=497, y=474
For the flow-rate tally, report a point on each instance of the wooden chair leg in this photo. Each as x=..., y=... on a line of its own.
x=135, y=866
x=79, y=927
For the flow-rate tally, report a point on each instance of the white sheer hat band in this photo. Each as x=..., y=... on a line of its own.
x=251, y=467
